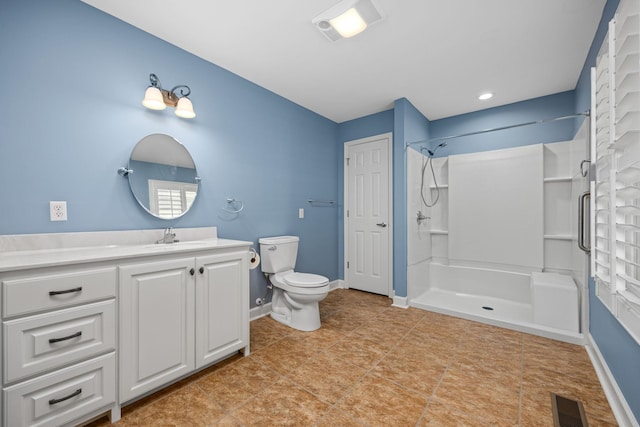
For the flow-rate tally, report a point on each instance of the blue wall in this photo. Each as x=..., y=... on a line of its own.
x=546, y=107
x=74, y=78
x=410, y=125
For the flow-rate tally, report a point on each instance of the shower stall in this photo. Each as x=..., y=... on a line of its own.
x=494, y=236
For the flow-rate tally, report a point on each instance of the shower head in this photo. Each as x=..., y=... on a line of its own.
x=431, y=153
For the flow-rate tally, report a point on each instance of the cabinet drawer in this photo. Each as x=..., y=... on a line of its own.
x=49, y=291
x=47, y=341
x=62, y=396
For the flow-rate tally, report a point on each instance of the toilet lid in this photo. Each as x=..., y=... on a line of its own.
x=305, y=280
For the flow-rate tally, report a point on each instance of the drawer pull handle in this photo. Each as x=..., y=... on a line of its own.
x=66, y=291
x=192, y=271
x=62, y=399
x=201, y=270
x=55, y=340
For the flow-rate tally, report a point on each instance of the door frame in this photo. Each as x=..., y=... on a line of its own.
x=389, y=137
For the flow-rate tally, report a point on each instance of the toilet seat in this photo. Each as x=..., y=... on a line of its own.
x=301, y=283
x=305, y=280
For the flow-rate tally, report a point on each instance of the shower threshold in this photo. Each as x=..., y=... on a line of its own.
x=491, y=311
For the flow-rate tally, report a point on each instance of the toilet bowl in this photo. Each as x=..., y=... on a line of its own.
x=295, y=295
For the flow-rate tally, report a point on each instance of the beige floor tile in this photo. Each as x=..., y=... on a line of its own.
x=440, y=415
x=282, y=404
x=380, y=365
x=320, y=339
x=379, y=402
x=358, y=351
x=419, y=375
x=382, y=332
x=328, y=377
x=226, y=421
x=264, y=332
x=568, y=359
x=285, y=354
x=537, y=384
x=400, y=316
x=337, y=418
x=503, y=373
x=440, y=350
x=479, y=397
x=235, y=384
x=188, y=407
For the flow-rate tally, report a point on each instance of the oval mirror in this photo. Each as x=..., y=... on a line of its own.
x=163, y=176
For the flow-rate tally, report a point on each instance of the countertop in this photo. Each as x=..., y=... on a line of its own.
x=12, y=260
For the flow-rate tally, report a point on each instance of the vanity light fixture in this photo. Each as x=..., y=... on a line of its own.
x=157, y=98
x=485, y=96
x=346, y=19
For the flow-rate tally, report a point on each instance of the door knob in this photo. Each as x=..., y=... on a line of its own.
x=381, y=224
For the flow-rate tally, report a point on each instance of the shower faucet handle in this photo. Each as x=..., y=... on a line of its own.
x=421, y=217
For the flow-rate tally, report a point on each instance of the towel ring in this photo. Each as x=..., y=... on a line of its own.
x=233, y=203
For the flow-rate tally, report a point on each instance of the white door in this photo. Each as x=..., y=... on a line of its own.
x=368, y=214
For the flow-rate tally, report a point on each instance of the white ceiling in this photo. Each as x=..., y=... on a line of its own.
x=439, y=54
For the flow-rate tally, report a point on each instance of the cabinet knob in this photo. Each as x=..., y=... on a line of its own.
x=201, y=270
x=192, y=271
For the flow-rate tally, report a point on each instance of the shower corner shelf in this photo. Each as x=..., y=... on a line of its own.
x=559, y=236
x=558, y=179
x=439, y=232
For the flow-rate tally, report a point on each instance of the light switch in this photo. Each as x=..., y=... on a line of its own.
x=301, y=213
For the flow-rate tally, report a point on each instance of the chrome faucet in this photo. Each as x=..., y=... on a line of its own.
x=169, y=236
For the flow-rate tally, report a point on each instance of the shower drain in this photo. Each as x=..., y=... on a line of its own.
x=486, y=307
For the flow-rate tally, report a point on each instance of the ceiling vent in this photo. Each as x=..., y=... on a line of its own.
x=346, y=19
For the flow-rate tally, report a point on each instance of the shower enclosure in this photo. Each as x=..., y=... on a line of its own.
x=481, y=224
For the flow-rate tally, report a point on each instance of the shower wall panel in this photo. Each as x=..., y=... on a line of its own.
x=496, y=208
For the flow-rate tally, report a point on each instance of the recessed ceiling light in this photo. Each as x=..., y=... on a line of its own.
x=485, y=96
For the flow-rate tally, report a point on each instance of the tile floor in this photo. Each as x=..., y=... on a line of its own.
x=375, y=365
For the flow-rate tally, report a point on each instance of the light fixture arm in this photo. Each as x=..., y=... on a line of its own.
x=170, y=97
x=155, y=81
x=182, y=90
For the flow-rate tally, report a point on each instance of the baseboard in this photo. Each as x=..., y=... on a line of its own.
x=400, y=302
x=259, y=311
x=618, y=403
x=338, y=284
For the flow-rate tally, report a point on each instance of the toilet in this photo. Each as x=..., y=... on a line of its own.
x=295, y=295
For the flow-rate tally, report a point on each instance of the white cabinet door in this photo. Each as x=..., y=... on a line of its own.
x=222, y=304
x=156, y=324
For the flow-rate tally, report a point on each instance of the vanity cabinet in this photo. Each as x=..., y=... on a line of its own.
x=156, y=324
x=93, y=321
x=222, y=306
x=178, y=315
x=58, y=344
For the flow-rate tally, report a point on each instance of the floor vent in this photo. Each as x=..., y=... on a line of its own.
x=567, y=412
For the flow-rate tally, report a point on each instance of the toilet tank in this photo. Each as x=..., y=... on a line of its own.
x=278, y=253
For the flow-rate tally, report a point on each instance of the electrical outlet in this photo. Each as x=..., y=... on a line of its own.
x=301, y=213
x=58, y=211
